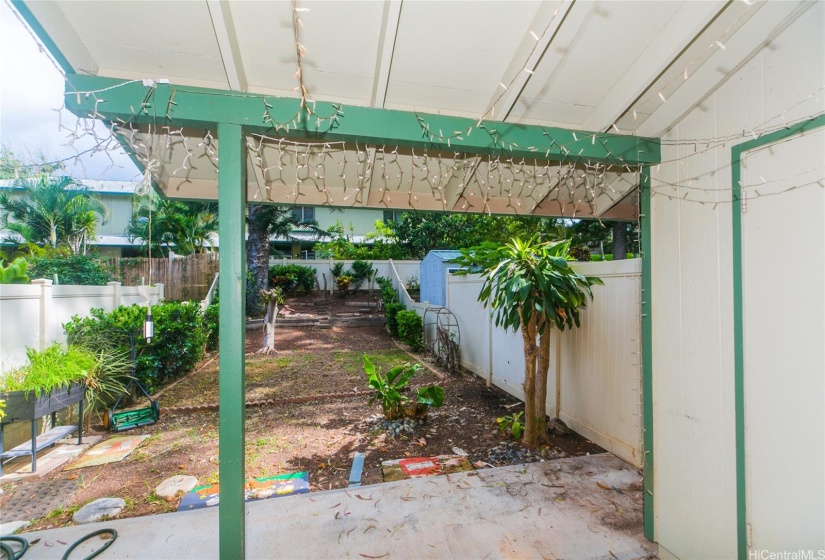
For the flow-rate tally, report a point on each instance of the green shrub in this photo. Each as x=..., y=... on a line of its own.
x=292, y=277
x=360, y=271
x=175, y=349
x=391, y=311
x=211, y=323
x=75, y=270
x=411, y=329
x=388, y=293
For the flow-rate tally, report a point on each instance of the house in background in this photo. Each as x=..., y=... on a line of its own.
x=119, y=198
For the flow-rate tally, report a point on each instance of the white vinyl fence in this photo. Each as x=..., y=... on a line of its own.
x=405, y=270
x=595, y=371
x=33, y=314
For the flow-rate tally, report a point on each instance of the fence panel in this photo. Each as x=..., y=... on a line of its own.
x=40, y=310
x=186, y=277
x=598, y=371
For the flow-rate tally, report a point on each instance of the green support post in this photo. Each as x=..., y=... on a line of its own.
x=647, y=350
x=231, y=208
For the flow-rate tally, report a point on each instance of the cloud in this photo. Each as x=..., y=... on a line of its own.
x=31, y=88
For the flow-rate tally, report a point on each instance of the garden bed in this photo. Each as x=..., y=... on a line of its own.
x=319, y=437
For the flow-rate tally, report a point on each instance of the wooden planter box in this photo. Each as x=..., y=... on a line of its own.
x=24, y=405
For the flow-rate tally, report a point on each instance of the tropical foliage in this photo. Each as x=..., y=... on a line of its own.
x=53, y=211
x=175, y=349
x=76, y=270
x=163, y=225
x=14, y=272
x=533, y=289
x=390, y=388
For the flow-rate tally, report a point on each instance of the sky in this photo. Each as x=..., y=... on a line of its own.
x=31, y=88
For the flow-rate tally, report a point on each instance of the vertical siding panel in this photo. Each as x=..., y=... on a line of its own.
x=692, y=292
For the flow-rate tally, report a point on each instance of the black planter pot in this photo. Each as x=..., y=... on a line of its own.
x=24, y=405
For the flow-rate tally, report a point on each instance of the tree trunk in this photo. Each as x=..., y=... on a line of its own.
x=257, y=254
x=268, y=346
x=542, y=371
x=528, y=333
x=619, y=241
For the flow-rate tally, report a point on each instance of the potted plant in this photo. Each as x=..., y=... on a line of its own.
x=390, y=388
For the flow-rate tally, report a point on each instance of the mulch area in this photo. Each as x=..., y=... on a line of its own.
x=319, y=437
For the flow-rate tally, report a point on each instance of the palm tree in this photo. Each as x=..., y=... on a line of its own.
x=53, y=211
x=262, y=222
x=533, y=289
x=185, y=227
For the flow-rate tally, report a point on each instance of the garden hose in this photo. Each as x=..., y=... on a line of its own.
x=7, y=550
x=89, y=536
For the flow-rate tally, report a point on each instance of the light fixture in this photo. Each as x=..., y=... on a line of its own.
x=148, y=326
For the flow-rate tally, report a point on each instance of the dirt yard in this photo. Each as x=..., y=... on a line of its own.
x=319, y=437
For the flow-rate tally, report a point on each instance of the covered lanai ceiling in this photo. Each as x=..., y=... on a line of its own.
x=627, y=68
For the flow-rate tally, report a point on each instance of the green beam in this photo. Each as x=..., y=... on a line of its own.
x=647, y=351
x=202, y=108
x=738, y=316
x=232, y=284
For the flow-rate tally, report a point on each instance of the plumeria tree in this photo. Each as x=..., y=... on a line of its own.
x=532, y=288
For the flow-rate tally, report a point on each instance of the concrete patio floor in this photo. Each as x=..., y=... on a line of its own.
x=579, y=508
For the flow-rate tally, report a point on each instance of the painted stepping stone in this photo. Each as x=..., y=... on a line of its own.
x=418, y=467
x=256, y=489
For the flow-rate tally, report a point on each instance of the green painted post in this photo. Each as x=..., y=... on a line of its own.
x=647, y=350
x=231, y=208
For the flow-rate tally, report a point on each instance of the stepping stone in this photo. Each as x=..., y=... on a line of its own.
x=95, y=511
x=170, y=487
x=12, y=526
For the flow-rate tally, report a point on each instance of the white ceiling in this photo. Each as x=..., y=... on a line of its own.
x=599, y=61
x=632, y=66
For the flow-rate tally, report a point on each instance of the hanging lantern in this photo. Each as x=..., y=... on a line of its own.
x=148, y=326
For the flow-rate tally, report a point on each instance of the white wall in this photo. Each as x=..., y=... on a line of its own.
x=783, y=357
x=693, y=368
x=33, y=315
x=405, y=269
x=600, y=368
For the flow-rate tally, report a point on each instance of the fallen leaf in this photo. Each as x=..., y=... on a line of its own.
x=603, y=486
x=73, y=477
x=181, y=467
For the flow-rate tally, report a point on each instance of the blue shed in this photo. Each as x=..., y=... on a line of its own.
x=433, y=275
